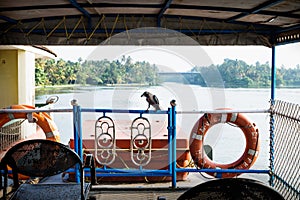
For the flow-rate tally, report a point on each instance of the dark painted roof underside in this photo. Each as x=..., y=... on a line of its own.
x=151, y=22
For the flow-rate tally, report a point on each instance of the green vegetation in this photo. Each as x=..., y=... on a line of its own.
x=238, y=74
x=232, y=73
x=104, y=72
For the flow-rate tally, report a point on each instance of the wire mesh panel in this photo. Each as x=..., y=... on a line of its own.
x=286, y=148
x=9, y=134
x=40, y=158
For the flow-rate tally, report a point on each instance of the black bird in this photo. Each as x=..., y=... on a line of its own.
x=152, y=100
x=173, y=102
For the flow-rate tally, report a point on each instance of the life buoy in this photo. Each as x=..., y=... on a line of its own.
x=208, y=120
x=40, y=118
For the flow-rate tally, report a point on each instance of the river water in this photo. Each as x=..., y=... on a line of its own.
x=228, y=142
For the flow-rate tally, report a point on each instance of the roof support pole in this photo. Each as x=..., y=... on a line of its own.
x=272, y=102
x=83, y=11
x=162, y=11
x=10, y=20
x=273, y=75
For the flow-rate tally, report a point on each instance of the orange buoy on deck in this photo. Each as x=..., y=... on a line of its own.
x=40, y=118
x=205, y=123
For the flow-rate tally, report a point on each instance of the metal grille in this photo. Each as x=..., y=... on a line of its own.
x=10, y=134
x=286, y=148
x=40, y=158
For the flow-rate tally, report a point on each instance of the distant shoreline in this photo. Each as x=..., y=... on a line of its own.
x=77, y=86
x=87, y=85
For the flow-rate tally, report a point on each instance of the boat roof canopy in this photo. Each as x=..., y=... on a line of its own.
x=93, y=22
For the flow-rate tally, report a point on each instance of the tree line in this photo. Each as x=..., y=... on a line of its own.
x=232, y=73
x=237, y=73
x=94, y=72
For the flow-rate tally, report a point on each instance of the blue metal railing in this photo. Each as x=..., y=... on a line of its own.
x=109, y=172
x=282, y=116
x=113, y=172
x=172, y=168
x=77, y=125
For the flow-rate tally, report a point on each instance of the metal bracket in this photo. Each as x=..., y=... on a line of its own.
x=105, y=141
x=141, y=143
x=30, y=118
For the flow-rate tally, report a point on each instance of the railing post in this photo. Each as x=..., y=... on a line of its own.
x=170, y=140
x=173, y=146
x=272, y=102
x=77, y=134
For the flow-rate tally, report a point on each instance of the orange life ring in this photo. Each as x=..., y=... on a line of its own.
x=40, y=118
x=207, y=121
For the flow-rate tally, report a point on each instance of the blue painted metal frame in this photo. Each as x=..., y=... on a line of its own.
x=172, y=169
x=272, y=120
x=107, y=172
x=273, y=74
x=77, y=136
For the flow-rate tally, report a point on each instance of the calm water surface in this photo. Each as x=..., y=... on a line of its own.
x=228, y=142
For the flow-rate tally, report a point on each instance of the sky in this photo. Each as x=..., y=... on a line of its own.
x=183, y=58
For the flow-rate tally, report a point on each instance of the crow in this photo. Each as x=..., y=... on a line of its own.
x=152, y=100
x=173, y=102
